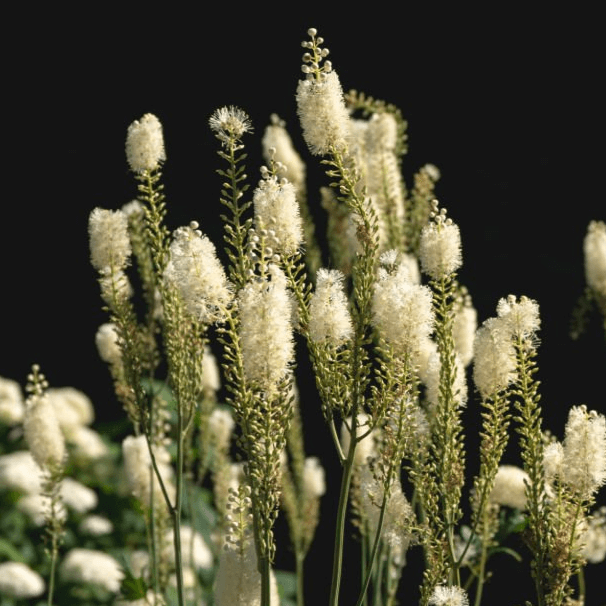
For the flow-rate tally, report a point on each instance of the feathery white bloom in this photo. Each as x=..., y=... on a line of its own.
x=77, y=496
x=192, y=543
x=12, y=406
x=463, y=331
x=211, y=378
x=521, y=317
x=73, y=408
x=114, y=285
x=238, y=580
x=19, y=581
x=108, y=239
x=440, y=247
x=230, y=122
x=594, y=248
x=448, y=596
x=553, y=461
x=382, y=132
x=88, y=444
x=19, y=471
x=91, y=566
x=584, y=466
x=402, y=311
x=43, y=432
x=145, y=144
x=432, y=170
x=329, y=318
x=277, y=209
x=313, y=477
x=277, y=140
x=323, y=114
x=494, y=358
x=108, y=344
x=221, y=425
x=96, y=526
x=196, y=272
x=510, y=487
x=137, y=465
x=265, y=329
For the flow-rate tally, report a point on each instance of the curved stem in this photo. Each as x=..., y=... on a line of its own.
x=300, y=559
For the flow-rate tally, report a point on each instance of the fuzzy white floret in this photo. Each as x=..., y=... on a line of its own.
x=108, y=239
x=91, y=566
x=43, y=433
x=108, y=344
x=17, y=580
x=145, y=144
x=510, y=487
x=12, y=405
x=448, y=596
x=594, y=248
x=440, y=249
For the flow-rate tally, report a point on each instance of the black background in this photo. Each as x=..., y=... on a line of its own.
x=507, y=103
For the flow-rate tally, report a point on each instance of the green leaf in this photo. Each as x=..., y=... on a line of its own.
x=8, y=550
x=514, y=554
x=287, y=583
x=132, y=588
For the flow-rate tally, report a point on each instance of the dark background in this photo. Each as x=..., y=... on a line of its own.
x=506, y=103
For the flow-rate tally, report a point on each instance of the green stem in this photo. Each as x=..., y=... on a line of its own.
x=176, y=511
x=341, y=515
x=481, y=575
x=265, y=582
x=300, y=559
x=51, y=580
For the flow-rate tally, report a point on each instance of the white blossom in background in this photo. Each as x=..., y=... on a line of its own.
x=192, y=543
x=12, y=405
x=594, y=539
x=510, y=487
x=211, y=377
x=221, y=425
x=329, y=317
x=365, y=448
x=553, y=461
x=494, y=361
x=91, y=566
x=452, y=595
x=266, y=339
x=77, y=496
x=196, y=272
x=584, y=446
x=464, y=329
x=277, y=209
x=145, y=144
x=108, y=239
x=594, y=248
x=43, y=432
x=432, y=381
x=88, y=445
x=96, y=526
x=108, y=345
x=73, y=408
x=36, y=507
x=19, y=581
x=137, y=466
x=19, y=471
x=402, y=311
x=440, y=246
x=314, y=481
x=278, y=145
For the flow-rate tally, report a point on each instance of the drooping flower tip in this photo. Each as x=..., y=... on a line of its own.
x=109, y=241
x=329, y=317
x=229, y=123
x=145, y=144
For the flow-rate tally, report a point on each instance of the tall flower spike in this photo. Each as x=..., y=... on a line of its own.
x=320, y=102
x=197, y=274
x=521, y=316
x=145, y=144
x=109, y=241
x=440, y=245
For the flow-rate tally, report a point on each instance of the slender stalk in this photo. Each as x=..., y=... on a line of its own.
x=341, y=515
x=481, y=575
x=300, y=559
x=176, y=511
x=51, y=580
x=265, y=582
